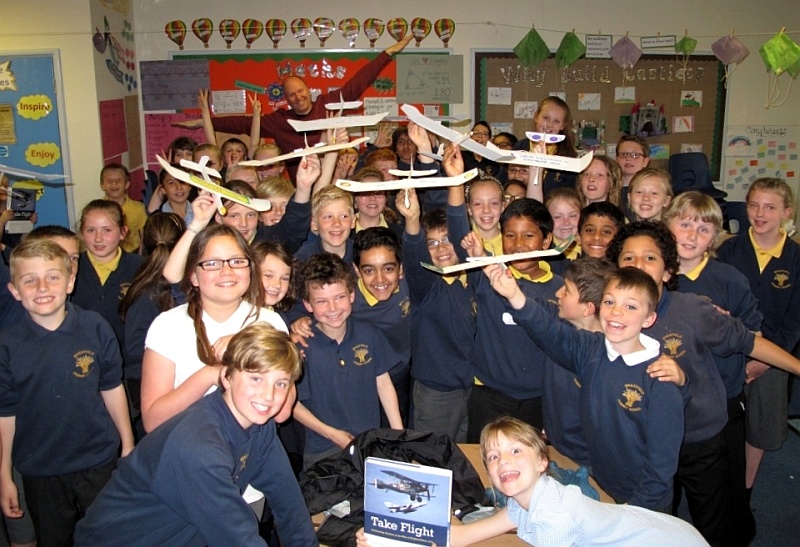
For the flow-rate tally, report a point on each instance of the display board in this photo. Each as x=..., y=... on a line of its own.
x=232, y=76
x=690, y=100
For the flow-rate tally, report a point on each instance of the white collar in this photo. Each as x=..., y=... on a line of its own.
x=652, y=349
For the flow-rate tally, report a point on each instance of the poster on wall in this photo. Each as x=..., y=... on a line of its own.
x=32, y=134
x=755, y=151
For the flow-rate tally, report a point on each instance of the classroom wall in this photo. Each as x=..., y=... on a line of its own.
x=34, y=24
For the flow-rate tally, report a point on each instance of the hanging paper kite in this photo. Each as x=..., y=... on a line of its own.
x=532, y=50
x=731, y=51
x=684, y=48
x=373, y=28
x=176, y=31
x=781, y=54
x=570, y=50
x=626, y=54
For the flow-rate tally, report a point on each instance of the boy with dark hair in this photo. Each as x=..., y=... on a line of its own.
x=443, y=324
x=346, y=379
x=633, y=423
x=599, y=223
x=182, y=485
x=692, y=331
x=382, y=299
x=115, y=181
x=59, y=368
x=509, y=366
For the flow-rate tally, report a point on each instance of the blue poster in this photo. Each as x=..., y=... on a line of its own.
x=30, y=133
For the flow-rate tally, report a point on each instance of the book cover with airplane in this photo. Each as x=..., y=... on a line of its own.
x=406, y=503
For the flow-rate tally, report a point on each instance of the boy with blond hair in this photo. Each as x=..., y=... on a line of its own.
x=332, y=218
x=63, y=409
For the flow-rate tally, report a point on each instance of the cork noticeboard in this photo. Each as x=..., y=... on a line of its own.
x=506, y=93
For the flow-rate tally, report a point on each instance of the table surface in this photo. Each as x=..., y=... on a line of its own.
x=473, y=453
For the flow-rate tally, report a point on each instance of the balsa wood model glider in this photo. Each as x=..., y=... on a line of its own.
x=483, y=261
x=319, y=148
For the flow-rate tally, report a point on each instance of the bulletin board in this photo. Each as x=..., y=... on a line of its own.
x=231, y=76
x=33, y=137
x=756, y=151
x=506, y=93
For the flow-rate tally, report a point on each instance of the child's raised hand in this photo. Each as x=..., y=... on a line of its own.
x=384, y=138
x=204, y=206
x=255, y=104
x=202, y=100
x=345, y=164
x=667, y=370
x=473, y=245
x=452, y=161
x=308, y=171
x=419, y=136
x=410, y=195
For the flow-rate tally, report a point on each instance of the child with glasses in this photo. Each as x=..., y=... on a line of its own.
x=443, y=324
x=633, y=155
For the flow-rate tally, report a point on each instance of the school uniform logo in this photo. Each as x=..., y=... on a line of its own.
x=405, y=307
x=672, y=342
x=84, y=360
x=242, y=467
x=780, y=279
x=632, y=396
x=474, y=304
x=361, y=355
x=123, y=290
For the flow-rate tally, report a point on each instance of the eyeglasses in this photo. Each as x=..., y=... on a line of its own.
x=508, y=198
x=480, y=134
x=518, y=170
x=631, y=155
x=216, y=264
x=433, y=243
x=373, y=194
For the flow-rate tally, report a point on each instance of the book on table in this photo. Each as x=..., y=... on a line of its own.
x=406, y=503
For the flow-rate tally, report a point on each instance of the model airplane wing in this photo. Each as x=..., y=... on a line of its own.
x=343, y=105
x=438, y=155
x=547, y=138
x=404, y=184
x=457, y=118
x=334, y=123
x=438, y=129
x=483, y=261
x=561, y=163
x=14, y=172
x=302, y=152
x=422, y=173
x=216, y=189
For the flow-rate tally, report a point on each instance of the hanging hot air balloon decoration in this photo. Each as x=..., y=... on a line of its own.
x=276, y=29
x=420, y=28
x=350, y=28
x=373, y=28
x=301, y=29
x=252, y=30
x=323, y=28
x=203, y=28
x=397, y=28
x=444, y=28
x=176, y=31
x=229, y=29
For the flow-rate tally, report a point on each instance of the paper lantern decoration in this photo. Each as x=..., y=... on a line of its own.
x=626, y=54
x=570, y=50
x=730, y=50
x=203, y=28
x=397, y=27
x=323, y=28
x=373, y=28
x=349, y=28
x=176, y=31
x=444, y=28
x=276, y=29
x=685, y=46
x=420, y=28
x=229, y=29
x=532, y=50
x=252, y=30
x=301, y=29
